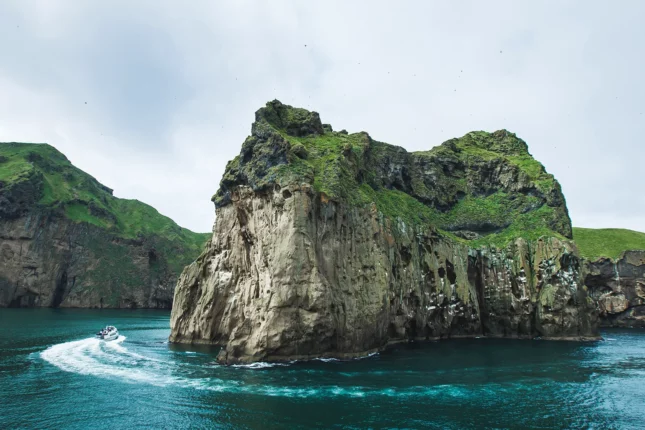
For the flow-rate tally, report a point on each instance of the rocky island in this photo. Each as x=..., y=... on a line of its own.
x=330, y=244
x=66, y=241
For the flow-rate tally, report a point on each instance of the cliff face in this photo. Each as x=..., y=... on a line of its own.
x=619, y=288
x=614, y=272
x=333, y=244
x=66, y=241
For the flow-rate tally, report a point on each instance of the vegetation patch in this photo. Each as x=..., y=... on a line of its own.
x=594, y=244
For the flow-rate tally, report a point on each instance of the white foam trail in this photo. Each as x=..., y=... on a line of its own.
x=112, y=360
x=104, y=359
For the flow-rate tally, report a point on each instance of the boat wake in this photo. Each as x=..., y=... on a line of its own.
x=104, y=359
x=114, y=361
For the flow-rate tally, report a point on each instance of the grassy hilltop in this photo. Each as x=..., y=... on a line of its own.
x=594, y=244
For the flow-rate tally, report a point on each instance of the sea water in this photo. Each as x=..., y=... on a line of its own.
x=54, y=374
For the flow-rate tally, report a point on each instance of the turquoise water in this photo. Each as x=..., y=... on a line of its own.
x=54, y=375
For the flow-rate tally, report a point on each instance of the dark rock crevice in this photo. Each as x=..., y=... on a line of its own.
x=59, y=291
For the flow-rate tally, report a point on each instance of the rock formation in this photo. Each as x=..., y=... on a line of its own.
x=614, y=273
x=329, y=244
x=619, y=288
x=66, y=241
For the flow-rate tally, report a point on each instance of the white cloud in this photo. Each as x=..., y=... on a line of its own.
x=171, y=90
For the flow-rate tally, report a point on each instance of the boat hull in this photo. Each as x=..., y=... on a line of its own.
x=108, y=335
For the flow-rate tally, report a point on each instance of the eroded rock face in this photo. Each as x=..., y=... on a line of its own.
x=289, y=275
x=49, y=261
x=335, y=245
x=619, y=288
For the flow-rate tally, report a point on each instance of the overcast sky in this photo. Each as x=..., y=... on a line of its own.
x=154, y=97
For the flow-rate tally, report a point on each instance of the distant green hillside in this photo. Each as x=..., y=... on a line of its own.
x=608, y=242
x=42, y=177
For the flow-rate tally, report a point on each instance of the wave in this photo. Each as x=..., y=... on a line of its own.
x=261, y=365
x=333, y=360
x=268, y=365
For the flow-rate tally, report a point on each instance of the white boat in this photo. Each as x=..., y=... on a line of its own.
x=108, y=333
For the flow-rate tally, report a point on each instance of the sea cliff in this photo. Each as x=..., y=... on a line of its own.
x=329, y=244
x=614, y=272
x=66, y=241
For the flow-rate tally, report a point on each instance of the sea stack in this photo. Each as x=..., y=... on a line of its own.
x=329, y=244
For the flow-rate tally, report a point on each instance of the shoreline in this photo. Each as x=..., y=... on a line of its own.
x=350, y=356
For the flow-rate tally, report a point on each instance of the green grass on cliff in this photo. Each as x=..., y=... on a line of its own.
x=498, y=209
x=80, y=213
x=609, y=242
x=481, y=188
x=325, y=162
x=81, y=198
x=331, y=159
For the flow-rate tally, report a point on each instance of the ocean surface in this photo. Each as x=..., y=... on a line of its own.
x=53, y=374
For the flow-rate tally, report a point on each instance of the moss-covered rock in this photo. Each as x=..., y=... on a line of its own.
x=293, y=121
x=482, y=187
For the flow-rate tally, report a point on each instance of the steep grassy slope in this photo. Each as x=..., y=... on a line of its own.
x=594, y=244
x=37, y=182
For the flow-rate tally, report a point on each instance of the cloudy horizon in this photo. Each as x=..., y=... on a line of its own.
x=153, y=99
